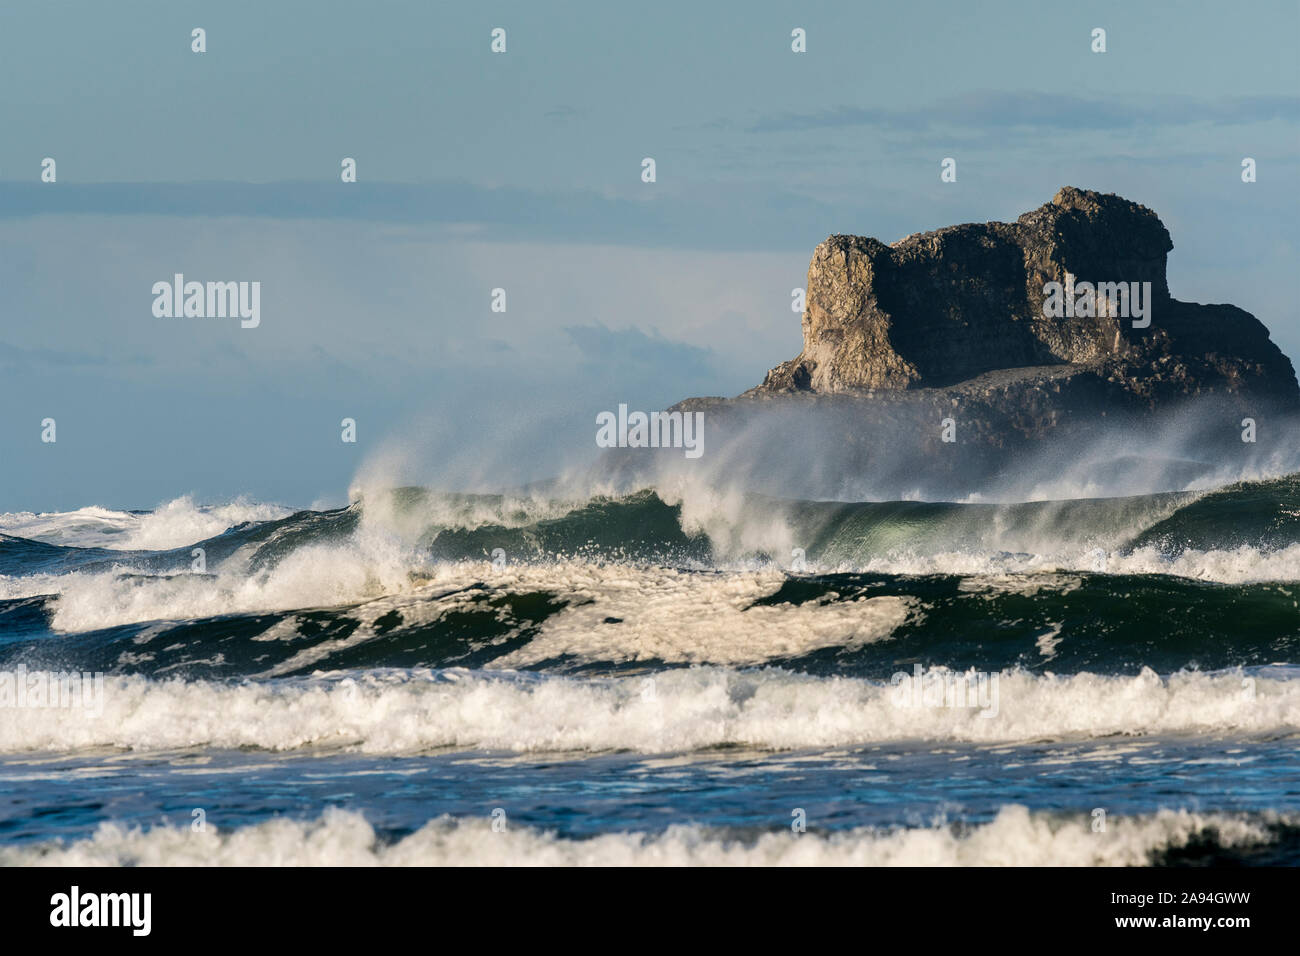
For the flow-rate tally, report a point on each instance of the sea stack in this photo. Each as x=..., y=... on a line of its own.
x=940, y=308
x=1058, y=327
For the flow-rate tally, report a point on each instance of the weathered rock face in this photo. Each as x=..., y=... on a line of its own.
x=941, y=308
x=929, y=368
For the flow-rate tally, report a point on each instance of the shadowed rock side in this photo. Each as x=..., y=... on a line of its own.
x=951, y=324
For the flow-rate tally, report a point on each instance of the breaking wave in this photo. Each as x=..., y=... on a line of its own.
x=1014, y=837
x=688, y=709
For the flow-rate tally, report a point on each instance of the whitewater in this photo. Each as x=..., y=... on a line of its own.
x=661, y=675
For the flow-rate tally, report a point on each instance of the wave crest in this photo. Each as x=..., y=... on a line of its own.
x=673, y=711
x=1015, y=837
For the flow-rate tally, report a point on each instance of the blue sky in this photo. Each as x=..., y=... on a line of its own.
x=522, y=171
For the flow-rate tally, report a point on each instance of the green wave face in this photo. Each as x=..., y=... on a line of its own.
x=1166, y=581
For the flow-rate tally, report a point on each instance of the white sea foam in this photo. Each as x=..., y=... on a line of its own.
x=1241, y=565
x=680, y=617
x=621, y=614
x=172, y=525
x=667, y=614
x=670, y=615
x=1015, y=837
x=669, y=711
x=368, y=565
x=91, y=527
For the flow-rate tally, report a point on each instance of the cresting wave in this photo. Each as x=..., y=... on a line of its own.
x=401, y=712
x=727, y=631
x=1014, y=837
x=172, y=525
x=618, y=585
x=1244, y=532
x=582, y=618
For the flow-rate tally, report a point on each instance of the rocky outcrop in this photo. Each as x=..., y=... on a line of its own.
x=942, y=308
x=930, y=369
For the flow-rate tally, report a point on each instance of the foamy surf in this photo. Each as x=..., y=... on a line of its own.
x=672, y=711
x=724, y=643
x=360, y=569
x=171, y=525
x=1014, y=837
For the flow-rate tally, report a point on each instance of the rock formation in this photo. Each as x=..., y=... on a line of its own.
x=933, y=357
x=940, y=308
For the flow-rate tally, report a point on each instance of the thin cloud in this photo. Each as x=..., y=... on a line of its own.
x=1008, y=110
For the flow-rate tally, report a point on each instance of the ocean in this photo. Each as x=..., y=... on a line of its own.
x=652, y=678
